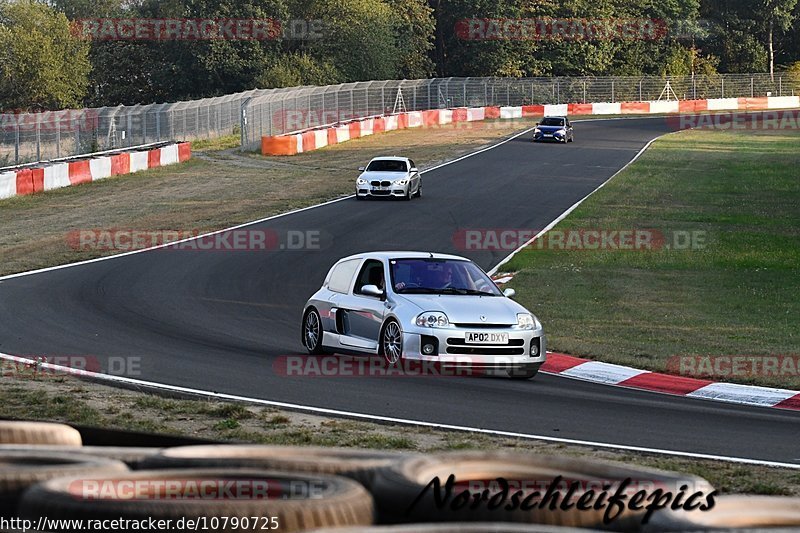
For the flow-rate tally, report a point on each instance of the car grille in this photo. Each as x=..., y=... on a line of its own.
x=379, y=193
x=482, y=325
x=459, y=346
x=377, y=183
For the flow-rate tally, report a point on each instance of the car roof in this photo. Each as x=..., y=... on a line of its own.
x=385, y=255
x=555, y=116
x=389, y=158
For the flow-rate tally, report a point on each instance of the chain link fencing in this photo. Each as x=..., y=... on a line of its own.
x=26, y=137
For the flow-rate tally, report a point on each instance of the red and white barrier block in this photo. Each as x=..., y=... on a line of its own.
x=313, y=139
x=624, y=376
x=56, y=175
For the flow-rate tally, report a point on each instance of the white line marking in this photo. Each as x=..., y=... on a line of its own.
x=378, y=418
x=566, y=213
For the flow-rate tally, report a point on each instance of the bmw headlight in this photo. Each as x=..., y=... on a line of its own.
x=526, y=321
x=401, y=182
x=432, y=319
x=361, y=181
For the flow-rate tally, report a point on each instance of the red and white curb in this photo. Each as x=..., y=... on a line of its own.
x=633, y=378
x=46, y=176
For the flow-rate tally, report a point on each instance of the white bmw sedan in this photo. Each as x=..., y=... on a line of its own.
x=389, y=177
x=422, y=306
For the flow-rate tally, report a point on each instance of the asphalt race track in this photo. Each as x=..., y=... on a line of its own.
x=218, y=321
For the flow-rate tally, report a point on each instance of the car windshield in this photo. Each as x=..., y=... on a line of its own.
x=550, y=121
x=440, y=276
x=387, y=165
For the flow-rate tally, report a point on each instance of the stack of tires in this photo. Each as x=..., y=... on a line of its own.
x=46, y=471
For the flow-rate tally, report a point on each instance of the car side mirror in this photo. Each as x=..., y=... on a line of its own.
x=509, y=293
x=372, y=290
x=413, y=169
x=537, y=123
x=362, y=169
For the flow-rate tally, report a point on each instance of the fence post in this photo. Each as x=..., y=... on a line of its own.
x=429, y=97
x=508, y=94
x=58, y=137
x=336, y=103
x=780, y=85
x=38, y=138
x=640, y=89
x=584, y=91
x=694, y=88
x=751, y=88
x=722, y=86
x=612, y=91
x=158, y=127
x=16, y=140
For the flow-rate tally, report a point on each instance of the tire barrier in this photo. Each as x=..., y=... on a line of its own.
x=20, y=470
x=212, y=497
x=21, y=432
x=735, y=512
x=401, y=496
x=360, y=465
x=131, y=456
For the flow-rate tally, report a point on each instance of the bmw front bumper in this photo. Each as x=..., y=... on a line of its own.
x=391, y=191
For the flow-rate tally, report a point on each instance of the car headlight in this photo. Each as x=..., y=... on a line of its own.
x=537, y=130
x=401, y=182
x=432, y=319
x=525, y=321
x=562, y=132
x=361, y=181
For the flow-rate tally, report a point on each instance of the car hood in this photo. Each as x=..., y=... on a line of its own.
x=381, y=176
x=468, y=309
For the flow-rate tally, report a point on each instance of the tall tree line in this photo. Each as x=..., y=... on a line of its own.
x=44, y=64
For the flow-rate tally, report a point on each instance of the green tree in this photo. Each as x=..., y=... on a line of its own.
x=774, y=16
x=42, y=64
x=415, y=34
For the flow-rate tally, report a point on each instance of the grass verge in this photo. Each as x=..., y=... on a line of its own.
x=726, y=281
x=70, y=400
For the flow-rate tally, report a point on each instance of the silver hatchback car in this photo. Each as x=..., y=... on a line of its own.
x=389, y=177
x=423, y=306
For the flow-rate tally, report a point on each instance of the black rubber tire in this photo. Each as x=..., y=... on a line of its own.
x=317, y=349
x=396, y=488
x=418, y=194
x=24, y=432
x=381, y=341
x=360, y=465
x=130, y=455
x=22, y=469
x=337, y=501
x=734, y=512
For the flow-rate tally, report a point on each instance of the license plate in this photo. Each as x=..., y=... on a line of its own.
x=548, y=134
x=474, y=337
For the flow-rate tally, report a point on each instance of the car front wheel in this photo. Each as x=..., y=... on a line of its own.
x=392, y=342
x=312, y=332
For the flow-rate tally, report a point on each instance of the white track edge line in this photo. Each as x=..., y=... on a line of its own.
x=405, y=421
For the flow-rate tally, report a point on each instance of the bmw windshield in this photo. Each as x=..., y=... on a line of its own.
x=387, y=165
x=440, y=276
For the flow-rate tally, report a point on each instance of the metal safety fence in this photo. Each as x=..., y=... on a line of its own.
x=26, y=137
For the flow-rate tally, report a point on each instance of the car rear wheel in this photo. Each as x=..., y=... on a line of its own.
x=312, y=332
x=392, y=342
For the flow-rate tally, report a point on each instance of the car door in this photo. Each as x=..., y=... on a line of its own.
x=362, y=314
